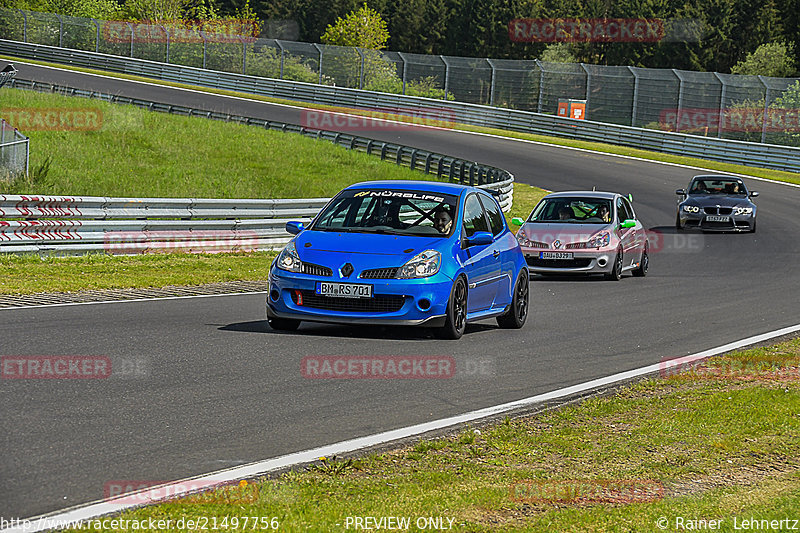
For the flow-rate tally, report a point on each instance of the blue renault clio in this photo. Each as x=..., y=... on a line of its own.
x=401, y=253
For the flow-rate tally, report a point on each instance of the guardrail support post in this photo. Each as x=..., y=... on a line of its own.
x=635, y=96
x=766, y=109
x=494, y=76
x=541, y=85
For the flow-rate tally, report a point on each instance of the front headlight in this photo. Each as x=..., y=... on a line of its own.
x=691, y=209
x=744, y=210
x=600, y=240
x=522, y=240
x=421, y=265
x=289, y=260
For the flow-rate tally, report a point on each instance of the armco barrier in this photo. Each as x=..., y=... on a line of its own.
x=78, y=225
x=731, y=151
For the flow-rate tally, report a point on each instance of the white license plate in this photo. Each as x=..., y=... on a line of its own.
x=555, y=255
x=717, y=218
x=344, y=290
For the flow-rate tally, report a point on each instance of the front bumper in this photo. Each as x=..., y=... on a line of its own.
x=700, y=221
x=584, y=261
x=395, y=301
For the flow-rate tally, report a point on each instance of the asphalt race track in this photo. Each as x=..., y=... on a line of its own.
x=211, y=386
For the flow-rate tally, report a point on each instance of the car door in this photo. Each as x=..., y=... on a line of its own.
x=504, y=250
x=632, y=238
x=481, y=262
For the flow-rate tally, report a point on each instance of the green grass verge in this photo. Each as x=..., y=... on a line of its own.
x=777, y=175
x=718, y=443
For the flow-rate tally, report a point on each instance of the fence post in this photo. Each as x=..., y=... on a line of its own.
x=680, y=100
x=766, y=109
x=491, y=90
x=131, y=28
x=320, y=61
x=280, y=46
x=635, y=96
x=588, y=86
x=405, y=62
x=541, y=84
x=244, y=56
x=721, y=104
x=24, y=25
x=166, y=32
x=60, y=30
x=446, y=75
x=205, y=47
x=361, y=76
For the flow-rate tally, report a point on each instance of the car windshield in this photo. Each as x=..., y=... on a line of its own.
x=730, y=186
x=573, y=211
x=393, y=211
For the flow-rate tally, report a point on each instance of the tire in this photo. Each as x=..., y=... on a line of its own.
x=456, y=316
x=282, y=324
x=616, y=272
x=516, y=315
x=641, y=270
x=753, y=229
x=678, y=225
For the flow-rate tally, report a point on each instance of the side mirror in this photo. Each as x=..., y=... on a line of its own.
x=517, y=221
x=479, y=238
x=681, y=192
x=294, y=227
x=753, y=194
x=628, y=223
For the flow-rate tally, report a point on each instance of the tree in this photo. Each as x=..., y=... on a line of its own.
x=558, y=53
x=364, y=28
x=770, y=59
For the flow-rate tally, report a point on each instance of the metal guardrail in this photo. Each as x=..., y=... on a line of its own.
x=731, y=151
x=127, y=226
x=77, y=225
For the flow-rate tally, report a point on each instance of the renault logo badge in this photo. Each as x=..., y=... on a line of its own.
x=556, y=244
x=346, y=270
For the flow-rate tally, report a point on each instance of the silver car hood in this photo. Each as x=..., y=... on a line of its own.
x=547, y=232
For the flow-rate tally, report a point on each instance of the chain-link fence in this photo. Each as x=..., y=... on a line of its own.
x=751, y=108
x=14, y=152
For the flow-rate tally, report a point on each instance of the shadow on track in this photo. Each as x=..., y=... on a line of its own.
x=357, y=332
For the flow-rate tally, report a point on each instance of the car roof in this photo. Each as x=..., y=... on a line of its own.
x=416, y=185
x=587, y=194
x=716, y=176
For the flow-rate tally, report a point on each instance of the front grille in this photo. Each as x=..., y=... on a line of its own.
x=317, y=270
x=573, y=245
x=537, y=244
x=380, y=273
x=559, y=263
x=707, y=224
x=376, y=304
x=718, y=210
